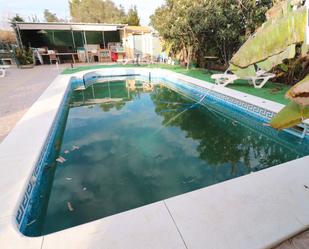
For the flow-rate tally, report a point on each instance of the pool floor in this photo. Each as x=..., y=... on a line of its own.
x=130, y=143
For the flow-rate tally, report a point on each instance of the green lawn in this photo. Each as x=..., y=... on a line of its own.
x=271, y=91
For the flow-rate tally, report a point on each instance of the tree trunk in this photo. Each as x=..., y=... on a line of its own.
x=189, y=57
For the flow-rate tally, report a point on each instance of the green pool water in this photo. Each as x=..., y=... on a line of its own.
x=128, y=144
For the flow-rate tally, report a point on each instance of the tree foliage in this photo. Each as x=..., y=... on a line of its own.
x=132, y=17
x=7, y=37
x=96, y=11
x=24, y=56
x=33, y=18
x=17, y=18
x=51, y=17
x=196, y=28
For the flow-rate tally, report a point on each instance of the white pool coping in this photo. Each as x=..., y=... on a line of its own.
x=258, y=210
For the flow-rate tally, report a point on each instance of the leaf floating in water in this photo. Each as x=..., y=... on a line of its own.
x=70, y=207
x=33, y=179
x=60, y=159
x=158, y=156
x=189, y=180
x=234, y=122
x=74, y=147
x=48, y=167
x=30, y=223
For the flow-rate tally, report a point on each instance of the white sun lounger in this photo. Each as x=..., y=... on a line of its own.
x=223, y=79
x=2, y=70
x=258, y=81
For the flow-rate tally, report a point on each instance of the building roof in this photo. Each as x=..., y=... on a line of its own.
x=68, y=26
x=138, y=29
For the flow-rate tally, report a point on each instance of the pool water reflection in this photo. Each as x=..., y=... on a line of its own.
x=138, y=143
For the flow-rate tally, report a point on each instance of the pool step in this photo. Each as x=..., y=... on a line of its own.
x=80, y=88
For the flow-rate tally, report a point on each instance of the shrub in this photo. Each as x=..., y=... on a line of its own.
x=24, y=56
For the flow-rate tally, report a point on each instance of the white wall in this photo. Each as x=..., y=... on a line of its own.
x=146, y=44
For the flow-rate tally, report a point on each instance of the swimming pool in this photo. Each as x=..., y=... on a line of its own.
x=127, y=142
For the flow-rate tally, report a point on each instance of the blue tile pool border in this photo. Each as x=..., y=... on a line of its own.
x=32, y=187
x=262, y=114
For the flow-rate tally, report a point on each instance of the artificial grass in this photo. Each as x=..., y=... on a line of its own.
x=271, y=91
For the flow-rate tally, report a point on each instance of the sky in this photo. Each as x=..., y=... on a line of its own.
x=26, y=8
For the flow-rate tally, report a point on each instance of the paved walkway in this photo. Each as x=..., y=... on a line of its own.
x=19, y=89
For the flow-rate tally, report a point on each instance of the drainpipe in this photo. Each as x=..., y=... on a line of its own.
x=53, y=32
x=143, y=44
x=133, y=37
x=85, y=39
x=73, y=39
x=103, y=38
x=124, y=41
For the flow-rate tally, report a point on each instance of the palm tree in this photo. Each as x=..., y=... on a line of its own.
x=297, y=111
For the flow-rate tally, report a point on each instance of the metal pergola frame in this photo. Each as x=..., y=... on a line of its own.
x=59, y=26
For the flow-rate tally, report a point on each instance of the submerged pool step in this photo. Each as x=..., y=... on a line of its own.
x=92, y=78
x=300, y=131
x=80, y=88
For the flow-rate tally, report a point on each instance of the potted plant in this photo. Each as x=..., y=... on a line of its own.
x=25, y=58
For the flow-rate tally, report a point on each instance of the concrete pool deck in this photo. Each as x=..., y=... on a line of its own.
x=19, y=89
x=255, y=211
